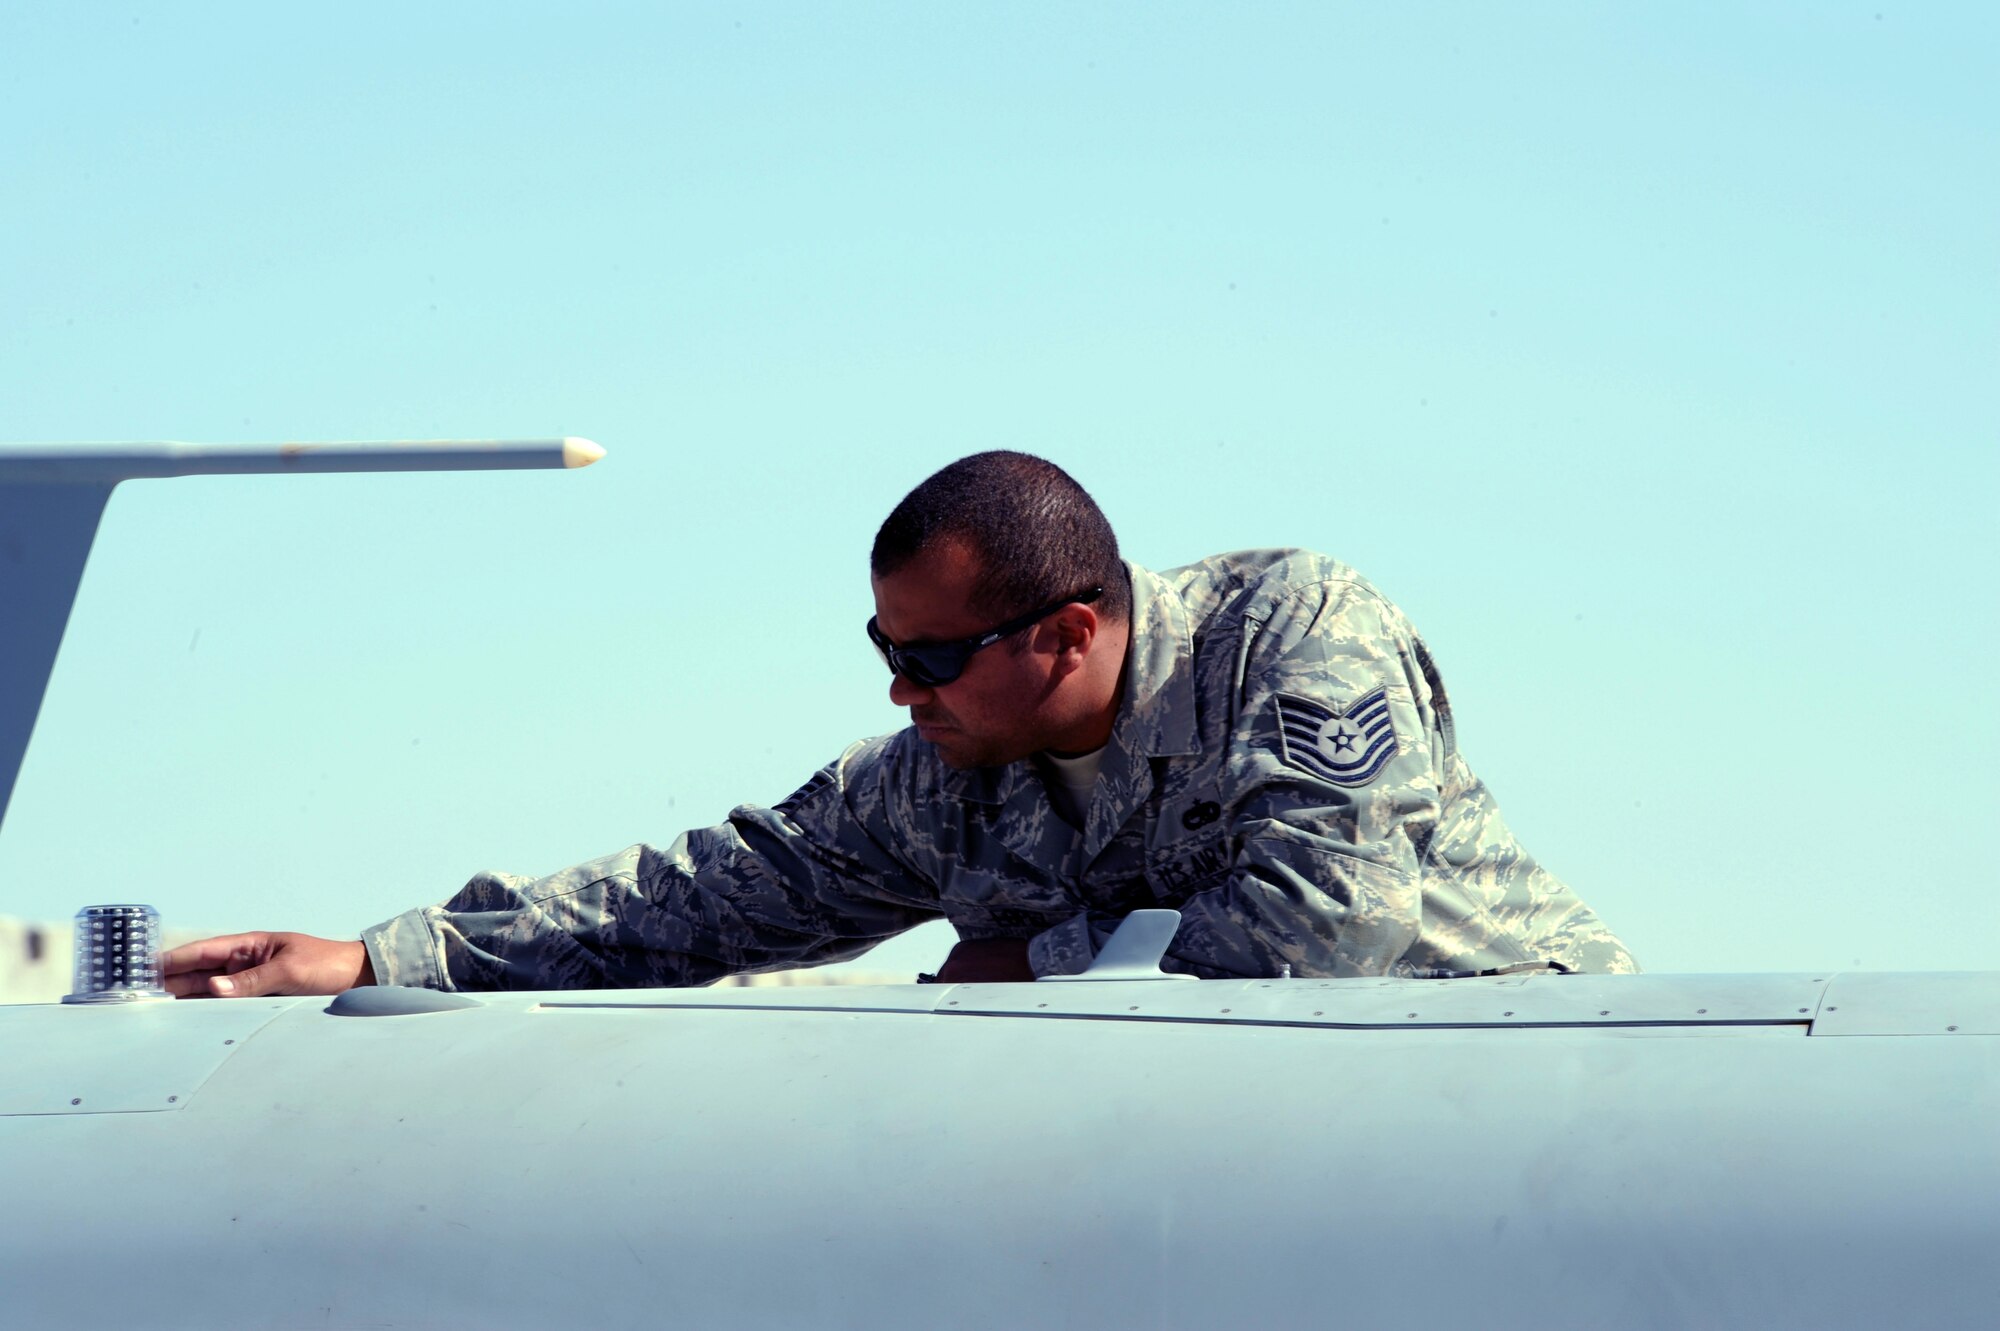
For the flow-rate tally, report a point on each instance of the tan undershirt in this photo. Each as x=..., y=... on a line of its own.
x=1070, y=781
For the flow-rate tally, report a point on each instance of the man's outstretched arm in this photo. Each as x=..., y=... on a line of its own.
x=257, y=964
x=808, y=881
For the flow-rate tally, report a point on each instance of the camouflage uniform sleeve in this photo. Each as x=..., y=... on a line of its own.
x=809, y=881
x=1333, y=792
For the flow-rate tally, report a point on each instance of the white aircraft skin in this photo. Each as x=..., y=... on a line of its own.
x=1114, y=1150
x=1630, y=1151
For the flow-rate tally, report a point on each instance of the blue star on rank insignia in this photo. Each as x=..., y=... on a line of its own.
x=1348, y=746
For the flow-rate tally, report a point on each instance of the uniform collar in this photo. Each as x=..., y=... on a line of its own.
x=1156, y=717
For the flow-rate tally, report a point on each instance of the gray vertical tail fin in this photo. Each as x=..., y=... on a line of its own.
x=51, y=497
x=45, y=536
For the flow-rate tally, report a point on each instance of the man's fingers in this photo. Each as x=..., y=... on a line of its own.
x=253, y=983
x=255, y=965
x=214, y=954
x=201, y=970
x=191, y=984
x=217, y=984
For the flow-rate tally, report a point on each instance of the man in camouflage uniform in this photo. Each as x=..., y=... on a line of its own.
x=1259, y=741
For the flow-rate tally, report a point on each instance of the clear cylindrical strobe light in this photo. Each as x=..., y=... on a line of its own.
x=117, y=955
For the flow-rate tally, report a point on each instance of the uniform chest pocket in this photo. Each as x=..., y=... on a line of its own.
x=1193, y=864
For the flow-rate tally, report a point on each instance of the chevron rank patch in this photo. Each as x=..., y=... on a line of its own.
x=1347, y=746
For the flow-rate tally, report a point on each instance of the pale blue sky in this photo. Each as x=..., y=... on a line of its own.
x=1644, y=353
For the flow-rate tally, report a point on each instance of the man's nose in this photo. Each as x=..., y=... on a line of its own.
x=903, y=693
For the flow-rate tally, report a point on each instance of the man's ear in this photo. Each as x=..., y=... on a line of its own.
x=1075, y=627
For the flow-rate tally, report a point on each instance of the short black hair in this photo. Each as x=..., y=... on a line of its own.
x=1039, y=536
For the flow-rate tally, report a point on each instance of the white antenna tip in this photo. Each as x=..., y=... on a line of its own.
x=580, y=452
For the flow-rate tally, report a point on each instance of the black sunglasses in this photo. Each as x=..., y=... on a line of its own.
x=933, y=663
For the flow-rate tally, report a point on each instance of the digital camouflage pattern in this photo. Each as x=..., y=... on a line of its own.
x=1283, y=771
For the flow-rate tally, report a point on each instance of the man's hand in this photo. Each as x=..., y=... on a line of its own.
x=986, y=961
x=254, y=965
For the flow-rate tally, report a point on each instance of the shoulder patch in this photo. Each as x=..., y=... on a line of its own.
x=1348, y=746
